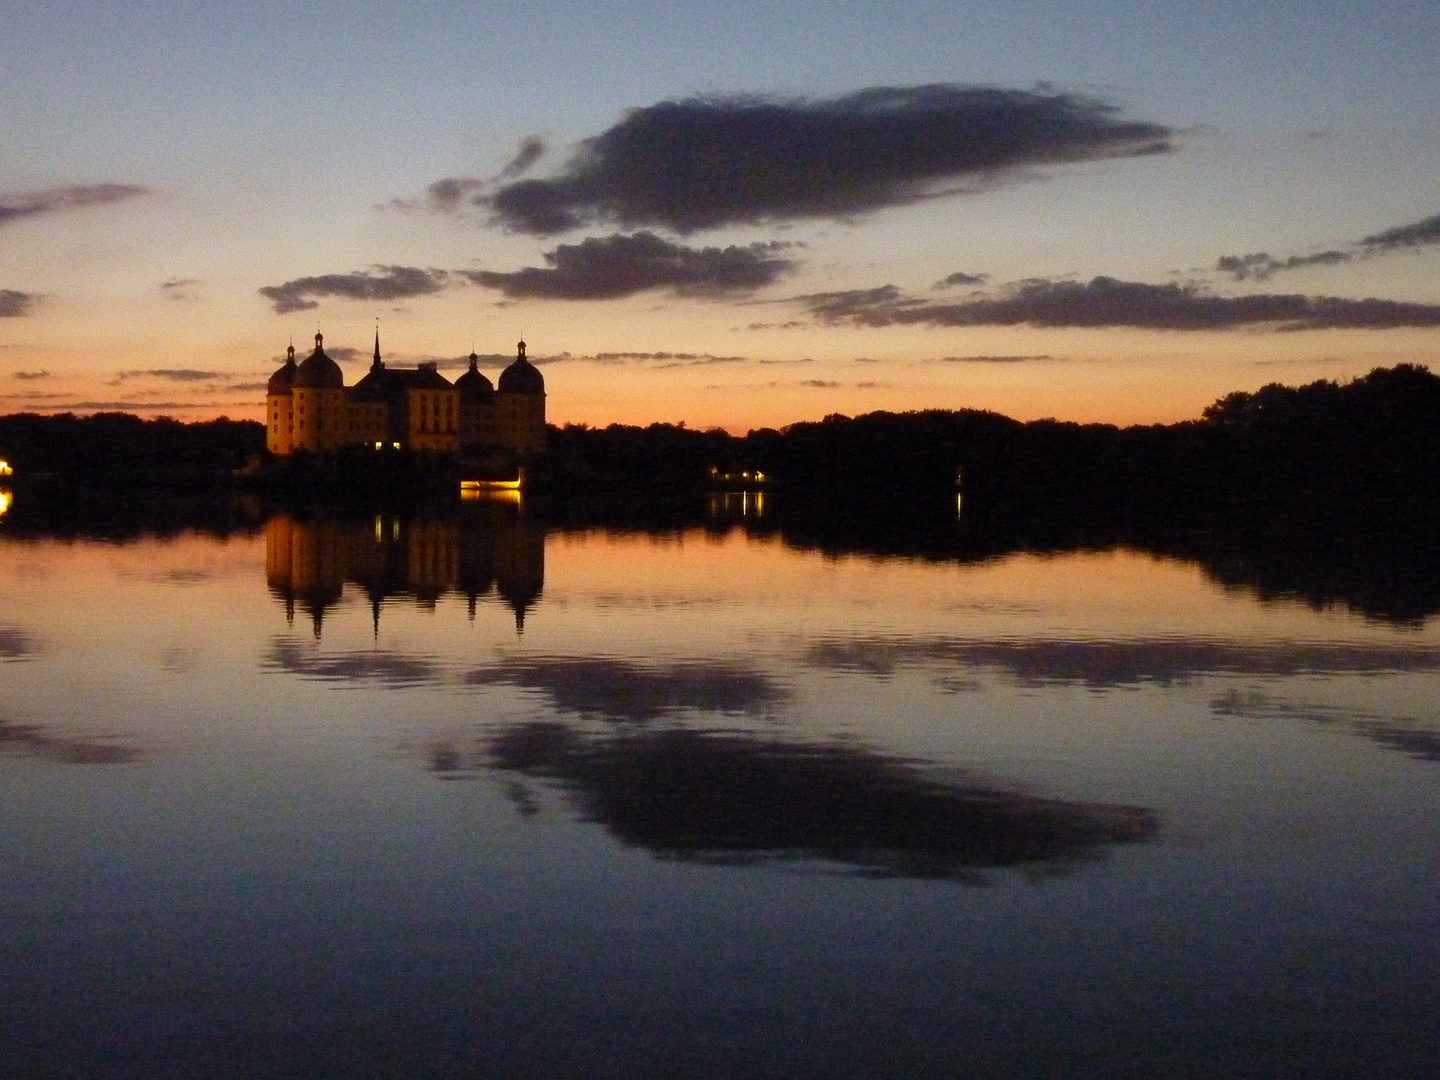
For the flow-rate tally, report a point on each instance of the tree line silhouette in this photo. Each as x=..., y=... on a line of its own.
x=1367, y=450
x=113, y=444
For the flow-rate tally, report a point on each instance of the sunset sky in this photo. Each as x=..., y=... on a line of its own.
x=735, y=214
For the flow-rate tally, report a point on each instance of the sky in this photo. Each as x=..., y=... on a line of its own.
x=734, y=215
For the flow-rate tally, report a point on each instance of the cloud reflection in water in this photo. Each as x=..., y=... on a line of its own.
x=735, y=798
x=387, y=668
x=1108, y=664
x=627, y=691
x=33, y=739
x=16, y=644
x=1410, y=737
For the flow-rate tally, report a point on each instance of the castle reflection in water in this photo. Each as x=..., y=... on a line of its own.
x=486, y=546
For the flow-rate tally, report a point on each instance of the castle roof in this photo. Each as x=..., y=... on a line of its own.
x=284, y=378
x=424, y=377
x=384, y=384
x=473, y=384
x=521, y=377
x=318, y=370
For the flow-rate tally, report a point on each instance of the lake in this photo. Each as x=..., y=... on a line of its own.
x=397, y=794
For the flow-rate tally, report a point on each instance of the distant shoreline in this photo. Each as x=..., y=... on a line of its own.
x=1366, y=448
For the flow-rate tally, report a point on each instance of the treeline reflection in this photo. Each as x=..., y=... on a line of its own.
x=1384, y=567
x=483, y=548
x=739, y=798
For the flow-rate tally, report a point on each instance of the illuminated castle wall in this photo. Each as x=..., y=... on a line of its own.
x=308, y=407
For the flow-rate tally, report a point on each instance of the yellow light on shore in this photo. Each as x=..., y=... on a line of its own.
x=5, y=500
x=5, y=469
x=489, y=485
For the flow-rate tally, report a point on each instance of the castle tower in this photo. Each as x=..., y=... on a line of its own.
x=279, y=407
x=321, y=416
x=477, y=406
x=520, y=406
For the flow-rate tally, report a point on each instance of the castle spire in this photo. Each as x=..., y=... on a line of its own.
x=376, y=365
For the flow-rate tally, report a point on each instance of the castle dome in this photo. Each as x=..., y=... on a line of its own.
x=521, y=377
x=318, y=370
x=284, y=378
x=472, y=384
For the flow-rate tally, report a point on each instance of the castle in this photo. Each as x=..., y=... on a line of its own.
x=309, y=408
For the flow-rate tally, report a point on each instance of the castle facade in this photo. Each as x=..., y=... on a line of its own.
x=309, y=408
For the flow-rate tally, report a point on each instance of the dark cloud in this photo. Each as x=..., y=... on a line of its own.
x=846, y=304
x=14, y=303
x=180, y=289
x=704, y=361
x=181, y=375
x=621, y=357
x=1262, y=265
x=819, y=384
x=345, y=354
x=383, y=283
x=791, y=324
x=668, y=360
x=243, y=387
x=732, y=798
x=801, y=360
x=1418, y=234
x=531, y=149
x=459, y=194
x=961, y=278
x=984, y=359
x=30, y=376
x=606, y=268
x=622, y=690
x=140, y=406
x=54, y=200
x=706, y=162
x=1108, y=664
x=451, y=194
x=36, y=740
x=1108, y=302
x=369, y=665
x=16, y=644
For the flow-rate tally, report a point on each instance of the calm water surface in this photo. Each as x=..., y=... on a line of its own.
x=393, y=797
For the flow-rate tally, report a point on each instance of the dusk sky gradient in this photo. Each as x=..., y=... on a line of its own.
x=735, y=215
